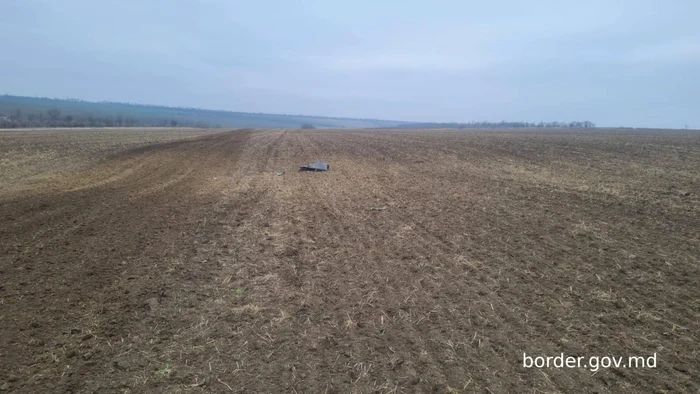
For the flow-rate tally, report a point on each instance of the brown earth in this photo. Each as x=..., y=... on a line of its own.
x=423, y=262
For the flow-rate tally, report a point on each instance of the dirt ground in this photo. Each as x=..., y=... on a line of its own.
x=422, y=262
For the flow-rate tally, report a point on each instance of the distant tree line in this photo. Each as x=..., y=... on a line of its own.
x=54, y=117
x=19, y=111
x=146, y=113
x=499, y=125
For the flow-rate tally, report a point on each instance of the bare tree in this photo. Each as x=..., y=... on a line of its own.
x=54, y=113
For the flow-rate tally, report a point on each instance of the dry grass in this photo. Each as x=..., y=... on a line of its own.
x=36, y=158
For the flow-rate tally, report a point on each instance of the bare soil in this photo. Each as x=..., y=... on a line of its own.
x=423, y=262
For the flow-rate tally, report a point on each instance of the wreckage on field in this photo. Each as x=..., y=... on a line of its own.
x=318, y=166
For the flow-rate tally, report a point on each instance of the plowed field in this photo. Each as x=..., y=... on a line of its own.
x=422, y=262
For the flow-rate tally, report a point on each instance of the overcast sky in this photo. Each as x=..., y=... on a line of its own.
x=614, y=62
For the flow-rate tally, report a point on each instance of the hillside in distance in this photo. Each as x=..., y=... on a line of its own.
x=20, y=111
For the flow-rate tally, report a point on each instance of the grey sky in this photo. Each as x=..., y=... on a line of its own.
x=625, y=62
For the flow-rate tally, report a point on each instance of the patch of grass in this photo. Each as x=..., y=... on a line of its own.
x=165, y=371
